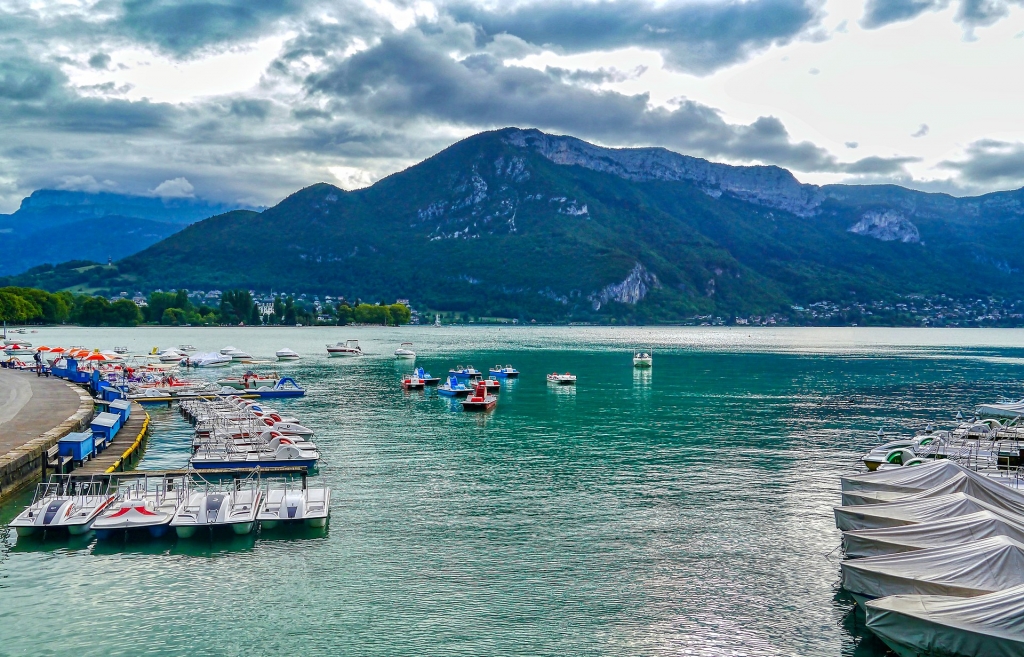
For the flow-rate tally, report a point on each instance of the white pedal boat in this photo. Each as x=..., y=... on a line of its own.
x=213, y=508
x=63, y=503
x=285, y=503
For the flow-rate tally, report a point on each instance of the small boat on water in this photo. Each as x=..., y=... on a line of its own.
x=903, y=451
x=286, y=503
x=211, y=359
x=507, y=372
x=348, y=348
x=233, y=507
x=237, y=355
x=250, y=381
x=491, y=385
x=143, y=504
x=281, y=451
x=454, y=388
x=405, y=351
x=642, y=359
x=467, y=373
x=185, y=348
x=479, y=400
x=65, y=504
x=413, y=382
x=562, y=379
x=120, y=350
x=286, y=354
x=427, y=379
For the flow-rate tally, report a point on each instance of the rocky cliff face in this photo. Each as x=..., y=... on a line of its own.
x=765, y=185
x=631, y=290
x=888, y=226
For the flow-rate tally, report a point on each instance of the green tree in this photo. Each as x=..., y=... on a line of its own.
x=174, y=317
x=124, y=312
x=158, y=302
x=400, y=313
x=366, y=313
x=290, y=318
x=344, y=313
x=255, y=318
x=15, y=308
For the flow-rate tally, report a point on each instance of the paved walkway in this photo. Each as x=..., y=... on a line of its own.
x=31, y=405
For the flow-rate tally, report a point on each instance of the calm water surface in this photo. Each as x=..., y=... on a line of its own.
x=685, y=510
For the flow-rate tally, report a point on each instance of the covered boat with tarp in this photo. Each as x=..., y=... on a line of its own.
x=998, y=490
x=907, y=480
x=906, y=512
x=990, y=625
x=943, y=532
x=967, y=570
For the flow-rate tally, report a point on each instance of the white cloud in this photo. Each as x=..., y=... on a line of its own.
x=174, y=188
x=85, y=184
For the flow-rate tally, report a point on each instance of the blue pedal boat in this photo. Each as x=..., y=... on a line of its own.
x=454, y=388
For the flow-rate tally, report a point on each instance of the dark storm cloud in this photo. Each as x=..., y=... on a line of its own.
x=990, y=163
x=408, y=76
x=879, y=165
x=698, y=37
x=100, y=60
x=181, y=27
x=23, y=79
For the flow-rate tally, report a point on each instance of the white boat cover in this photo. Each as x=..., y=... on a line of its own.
x=990, y=625
x=971, y=569
x=993, y=490
x=944, y=532
x=907, y=479
x=905, y=512
x=1008, y=409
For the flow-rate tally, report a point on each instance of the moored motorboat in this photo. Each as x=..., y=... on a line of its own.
x=229, y=457
x=642, y=359
x=983, y=626
x=506, y=372
x=120, y=350
x=454, y=388
x=234, y=507
x=562, y=379
x=287, y=503
x=185, y=348
x=286, y=354
x=348, y=348
x=237, y=355
x=211, y=359
x=64, y=503
x=479, y=400
x=405, y=351
x=249, y=381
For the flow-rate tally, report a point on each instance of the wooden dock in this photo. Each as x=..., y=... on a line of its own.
x=124, y=439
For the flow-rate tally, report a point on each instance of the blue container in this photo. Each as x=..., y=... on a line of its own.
x=123, y=408
x=109, y=393
x=79, y=446
x=104, y=427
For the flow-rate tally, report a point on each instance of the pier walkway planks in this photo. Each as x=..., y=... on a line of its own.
x=35, y=412
x=122, y=441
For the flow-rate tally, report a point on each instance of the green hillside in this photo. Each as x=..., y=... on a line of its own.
x=517, y=223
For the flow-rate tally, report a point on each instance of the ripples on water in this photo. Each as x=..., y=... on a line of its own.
x=685, y=510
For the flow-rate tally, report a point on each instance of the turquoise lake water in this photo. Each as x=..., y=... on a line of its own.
x=685, y=510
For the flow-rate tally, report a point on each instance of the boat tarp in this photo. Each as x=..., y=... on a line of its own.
x=1008, y=409
x=936, y=533
x=905, y=512
x=971, y=569
x=980, y=487
x=989, y=625
x=906, y=479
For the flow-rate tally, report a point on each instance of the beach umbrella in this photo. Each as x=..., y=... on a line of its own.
x=44, y=348
x=58, y=350
x=96, y=357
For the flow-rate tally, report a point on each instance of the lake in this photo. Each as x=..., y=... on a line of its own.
x=682, y=510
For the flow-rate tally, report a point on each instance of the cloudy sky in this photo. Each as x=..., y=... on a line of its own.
x=248, y=100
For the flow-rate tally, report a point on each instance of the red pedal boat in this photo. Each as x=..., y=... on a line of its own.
x=479, y=400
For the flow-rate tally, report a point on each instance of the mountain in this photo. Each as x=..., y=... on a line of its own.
x=521, y=223
x=56, y=225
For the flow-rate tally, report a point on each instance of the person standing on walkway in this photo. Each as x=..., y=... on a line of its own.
x=39, y=363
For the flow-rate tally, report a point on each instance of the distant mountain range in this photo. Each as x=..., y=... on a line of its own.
x=519, y=223
x=53, y=226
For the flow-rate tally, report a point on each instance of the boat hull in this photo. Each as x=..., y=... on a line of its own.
x=248, y=465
